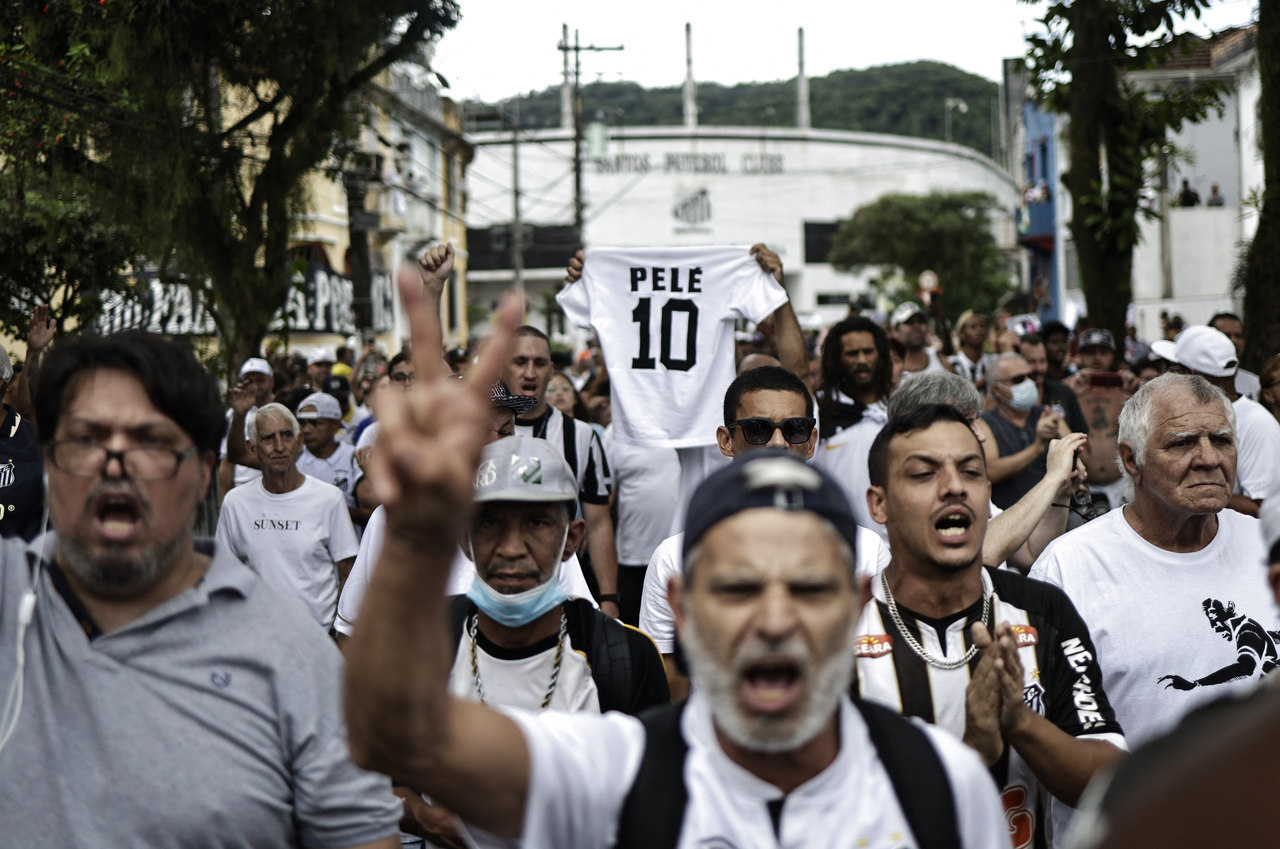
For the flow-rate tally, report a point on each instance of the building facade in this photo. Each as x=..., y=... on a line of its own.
x=661, y=186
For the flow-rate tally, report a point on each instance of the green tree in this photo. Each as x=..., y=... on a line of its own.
x=1078, y=67
x=193, y=123
x=55, y=248
x=946, y=232
x=905, y=100
x=1256, y=279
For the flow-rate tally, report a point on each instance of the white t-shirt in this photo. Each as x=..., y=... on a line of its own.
x=1248, y=384
x=664, y=317
x=520, y=678
x=647, y=483
x=339, y=469
x=461, y=574
x=368, y=436
x=1145, y=610
x=243, y=474
x=844, y=455
x=933, y=363
x=582, y=766
x=1257, y=450
x=668, y=561
x=293, y=539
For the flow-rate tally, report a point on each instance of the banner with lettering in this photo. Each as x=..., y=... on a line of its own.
x=320, y=302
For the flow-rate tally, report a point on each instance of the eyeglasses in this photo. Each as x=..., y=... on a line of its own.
x=1014, y=381
x=759, y=431
x=87, y=459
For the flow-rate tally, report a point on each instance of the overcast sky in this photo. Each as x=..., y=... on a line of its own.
x=505, y=47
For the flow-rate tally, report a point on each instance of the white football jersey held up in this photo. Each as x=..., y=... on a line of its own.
x=665, y=317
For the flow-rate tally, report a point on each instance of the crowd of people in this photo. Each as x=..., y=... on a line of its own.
x=894, y=584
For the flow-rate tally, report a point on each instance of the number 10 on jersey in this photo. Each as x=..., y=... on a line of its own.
x=643, y=316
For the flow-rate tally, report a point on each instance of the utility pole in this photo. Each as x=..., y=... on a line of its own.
x=577, y=49
x=517, y=223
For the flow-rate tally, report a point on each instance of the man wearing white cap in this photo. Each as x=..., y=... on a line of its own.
x=324, y=456
x=320, y=366
x=256, y=389
x=290, y=528
x=1211, y=354
x=911, y=327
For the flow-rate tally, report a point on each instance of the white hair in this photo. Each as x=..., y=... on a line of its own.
x=1137, y=418
x=251, y=427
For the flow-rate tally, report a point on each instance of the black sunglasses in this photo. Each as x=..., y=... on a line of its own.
x=758, y=431
x=1014, y=381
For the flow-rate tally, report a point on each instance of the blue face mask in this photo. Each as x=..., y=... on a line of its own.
x=1023, y=396
x=522, y=608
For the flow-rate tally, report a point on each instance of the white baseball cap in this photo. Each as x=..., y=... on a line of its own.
x=256, y=365
x=321, y=355
x=326, y=407
x=1201, y=349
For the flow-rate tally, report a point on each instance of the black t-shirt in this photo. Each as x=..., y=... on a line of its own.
x=21, y=477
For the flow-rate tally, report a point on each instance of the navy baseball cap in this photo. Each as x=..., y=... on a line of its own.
x=767, y=478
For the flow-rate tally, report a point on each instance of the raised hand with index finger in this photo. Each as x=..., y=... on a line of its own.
x=431, y=434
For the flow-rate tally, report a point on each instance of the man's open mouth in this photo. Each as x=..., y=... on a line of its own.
x=771, y=685
x=953, y=524
x=117, y=515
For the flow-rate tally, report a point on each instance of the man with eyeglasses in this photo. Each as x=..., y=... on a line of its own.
x=1016, y=431
x=291, y=528
x=401, y=370
x=767, y=407
x=133, y=654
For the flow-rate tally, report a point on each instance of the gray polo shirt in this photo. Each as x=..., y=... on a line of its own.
x=214, y=720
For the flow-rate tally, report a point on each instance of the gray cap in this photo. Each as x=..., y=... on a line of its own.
x=326, y=407
x=524, y=468
x=904, y=312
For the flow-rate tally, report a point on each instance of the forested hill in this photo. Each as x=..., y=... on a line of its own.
x=904, y=100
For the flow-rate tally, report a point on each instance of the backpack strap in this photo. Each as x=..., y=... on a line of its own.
x=569, y=443
x=609, y=654
x=918, y=776
x=460, y=608
x=653, y=812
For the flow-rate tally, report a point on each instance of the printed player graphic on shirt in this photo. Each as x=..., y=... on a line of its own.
x=1255, y=647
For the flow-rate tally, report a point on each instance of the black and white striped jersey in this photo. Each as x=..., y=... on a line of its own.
x=581, y=449
x=1062, y=680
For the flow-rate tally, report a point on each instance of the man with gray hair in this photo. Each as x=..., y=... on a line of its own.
x=1144, y=576
x=290, y=528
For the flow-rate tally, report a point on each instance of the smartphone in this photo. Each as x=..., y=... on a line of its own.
x=1106, y=378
